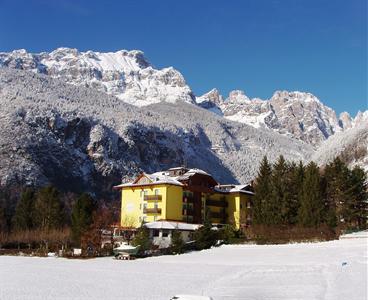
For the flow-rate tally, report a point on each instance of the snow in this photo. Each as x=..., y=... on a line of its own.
x=328, y=270
x=171, y=225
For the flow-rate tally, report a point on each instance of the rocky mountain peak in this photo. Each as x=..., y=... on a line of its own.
x=125, y=74
x=212, y=96
x=237, y=96
x=361, y=118
x=345, y=120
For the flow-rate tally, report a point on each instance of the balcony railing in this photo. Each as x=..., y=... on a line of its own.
x=218, y=215
x=188, y=199
x=152, y=197
x=188, y=211
x=152, y=210
x=216, y=203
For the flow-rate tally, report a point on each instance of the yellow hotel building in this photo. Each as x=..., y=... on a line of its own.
x=184, y=195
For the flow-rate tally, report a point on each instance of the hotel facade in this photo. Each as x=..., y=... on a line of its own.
x=184, y=195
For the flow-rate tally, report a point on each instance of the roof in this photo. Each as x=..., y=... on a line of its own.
x=197, y=171
x=233, y=188
x=155, y=178
x=172, y=225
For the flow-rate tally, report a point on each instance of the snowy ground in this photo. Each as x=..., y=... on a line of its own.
x=296, y=271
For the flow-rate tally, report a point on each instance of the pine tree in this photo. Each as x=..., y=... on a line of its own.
x=336, y=178
x=205, y=237
x=312, y=203
x=356, y=212
x=294, y=182
x=262, y=191
x=82, y=214
x=277, y=206
x=49, y=212
x=142, y=239
x=24, y=213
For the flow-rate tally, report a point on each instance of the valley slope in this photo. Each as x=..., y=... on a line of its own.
x=81, y=139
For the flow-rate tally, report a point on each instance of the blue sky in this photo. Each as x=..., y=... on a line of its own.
x=258, y=46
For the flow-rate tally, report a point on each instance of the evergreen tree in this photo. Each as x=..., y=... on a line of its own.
x=356, y=212
x=262, y=190
x=277, y=206
x=294, y=183
x=142, y=239
x=205, y=237
x=82, y=216
x=49, y=212
x=312, y=203
x=177, y=243
x=24, y=213
x=336, y=178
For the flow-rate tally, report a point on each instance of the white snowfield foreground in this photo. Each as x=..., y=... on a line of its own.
x=190, y=297
x=329, y=270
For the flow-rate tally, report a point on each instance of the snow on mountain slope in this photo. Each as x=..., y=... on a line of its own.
x=296, y=114
x=350, y=145
x=125, y=74
x=130, y=77
x=80, y=139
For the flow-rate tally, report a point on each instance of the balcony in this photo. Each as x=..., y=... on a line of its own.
x=218, y=215
x=152, y=197
x=216, y=203
x=152, y=210
x=188, y=211
x=188, y=199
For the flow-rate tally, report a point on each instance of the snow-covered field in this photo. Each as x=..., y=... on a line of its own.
x=329, y=270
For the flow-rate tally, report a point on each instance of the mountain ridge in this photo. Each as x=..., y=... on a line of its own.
x=86, y=140
x=129, y=76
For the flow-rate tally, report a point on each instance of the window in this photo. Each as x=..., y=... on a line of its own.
x=165, y=233
x=157, y=192
x=144, y=205
x=156, y=232
x=156, y=205
x=154, y=218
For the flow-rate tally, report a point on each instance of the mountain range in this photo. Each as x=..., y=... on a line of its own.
x=86, y=120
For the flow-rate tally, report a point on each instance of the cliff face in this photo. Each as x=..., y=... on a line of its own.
x=125, y=74
x=296, y=114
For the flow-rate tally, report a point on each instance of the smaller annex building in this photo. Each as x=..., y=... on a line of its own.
x=184, y=195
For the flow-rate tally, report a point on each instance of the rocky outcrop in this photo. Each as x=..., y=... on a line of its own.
x=296, y=114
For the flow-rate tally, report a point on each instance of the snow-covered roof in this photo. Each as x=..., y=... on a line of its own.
x=172, y=225
x=197, y=171
x=155, y=178
x=233, y=188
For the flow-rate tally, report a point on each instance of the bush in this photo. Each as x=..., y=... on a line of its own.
x=227, y=234
x=177, y=243
x=262, y=234
x=205, y=237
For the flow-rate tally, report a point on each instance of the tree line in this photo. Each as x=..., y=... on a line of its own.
x=45, y=219
x=291, y=194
